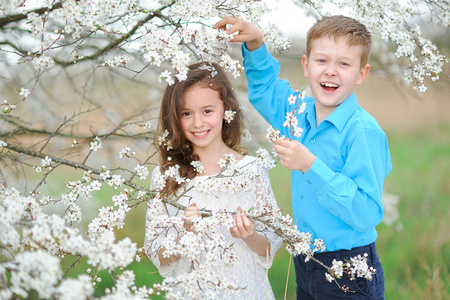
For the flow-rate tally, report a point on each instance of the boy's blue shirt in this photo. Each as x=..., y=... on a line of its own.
x=339, y=199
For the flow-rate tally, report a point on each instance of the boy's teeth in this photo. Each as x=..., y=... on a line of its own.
x=327, y=84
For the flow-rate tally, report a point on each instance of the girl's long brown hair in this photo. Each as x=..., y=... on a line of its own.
x=208, y=75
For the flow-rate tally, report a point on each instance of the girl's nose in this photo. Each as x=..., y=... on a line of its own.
x=198, y=121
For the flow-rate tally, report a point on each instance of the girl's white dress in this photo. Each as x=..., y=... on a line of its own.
x=249, y=269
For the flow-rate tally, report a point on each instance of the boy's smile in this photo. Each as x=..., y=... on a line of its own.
x=334, y=69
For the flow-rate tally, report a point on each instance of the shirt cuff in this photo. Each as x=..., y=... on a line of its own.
x=255, y=57
x=319, y=175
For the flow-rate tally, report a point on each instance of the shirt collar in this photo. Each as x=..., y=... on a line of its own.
x=310, y=114
x=343, y=112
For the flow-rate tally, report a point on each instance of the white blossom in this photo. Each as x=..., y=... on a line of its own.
x=229, y=115
x=126, y=152
x=24, y=92
x=272, y=134
x=43, y=62
x=141, y=171
x=96, y=144
x=198, y=166
x=75, y=288
x=37, y=271
x=46, y=162
x=117, y=61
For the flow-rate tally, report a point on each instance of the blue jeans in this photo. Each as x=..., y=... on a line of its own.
x=311, y=282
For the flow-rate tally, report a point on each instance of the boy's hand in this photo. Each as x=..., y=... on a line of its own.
x=244, y=226
x=247, y=32
x=191, y=213
x=294, y=155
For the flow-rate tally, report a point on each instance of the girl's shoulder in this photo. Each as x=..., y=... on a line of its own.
x=251, y=163
x=156, y=171
x=247, y=160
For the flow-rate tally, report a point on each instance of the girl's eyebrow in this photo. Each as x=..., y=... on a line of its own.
x=203, y=107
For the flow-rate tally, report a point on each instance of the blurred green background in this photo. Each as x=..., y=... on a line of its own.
x=414, y=250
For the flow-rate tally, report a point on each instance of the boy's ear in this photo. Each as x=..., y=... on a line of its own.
x=305, y=66
x=363, y=74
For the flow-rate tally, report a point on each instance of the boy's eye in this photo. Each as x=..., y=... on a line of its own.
x=321, y=60
x=344, y=64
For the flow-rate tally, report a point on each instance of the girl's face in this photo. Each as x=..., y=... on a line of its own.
x=202, y=117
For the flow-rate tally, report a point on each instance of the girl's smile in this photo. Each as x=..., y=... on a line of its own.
x=202, y=117
x=201, y=134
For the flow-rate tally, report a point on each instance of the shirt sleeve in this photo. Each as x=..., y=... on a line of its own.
x=355, y=193
x=266, y=92
x=155, y=233
x=264, y=195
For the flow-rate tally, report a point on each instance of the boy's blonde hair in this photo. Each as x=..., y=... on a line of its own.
x=340, y=26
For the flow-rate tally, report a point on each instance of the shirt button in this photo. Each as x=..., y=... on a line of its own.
x=301, y=196
x=304, y=225
x=313, y=141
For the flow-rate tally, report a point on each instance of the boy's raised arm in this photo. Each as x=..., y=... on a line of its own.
x=247, y=32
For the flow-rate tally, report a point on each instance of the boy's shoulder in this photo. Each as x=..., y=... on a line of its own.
x=364, y=120
x=349, y=116
x=362, y=125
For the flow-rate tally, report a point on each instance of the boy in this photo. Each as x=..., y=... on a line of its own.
x=340, y=161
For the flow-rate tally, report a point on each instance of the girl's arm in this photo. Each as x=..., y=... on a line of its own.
x=164, y=260
x=191, y=213
x=245, y=230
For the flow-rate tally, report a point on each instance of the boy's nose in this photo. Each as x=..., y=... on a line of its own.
x=330, y=70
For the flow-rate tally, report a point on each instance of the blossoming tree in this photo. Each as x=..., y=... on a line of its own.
x=55, y=135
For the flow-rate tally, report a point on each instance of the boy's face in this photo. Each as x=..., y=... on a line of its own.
x=334, y=69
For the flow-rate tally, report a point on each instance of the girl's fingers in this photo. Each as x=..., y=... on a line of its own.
x=234, y=232
x=247, y=228
x=191, y=213
x=238, y=219
x=246, y=221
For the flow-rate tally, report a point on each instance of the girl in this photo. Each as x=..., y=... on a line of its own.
x=201, y=123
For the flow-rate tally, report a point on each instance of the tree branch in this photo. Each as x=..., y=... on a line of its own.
x=19, y=17
x=115, y=43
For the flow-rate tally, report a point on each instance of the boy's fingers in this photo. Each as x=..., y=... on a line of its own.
x=281, y=150
x=223, y=22
x=237, y=26
x=282, y=142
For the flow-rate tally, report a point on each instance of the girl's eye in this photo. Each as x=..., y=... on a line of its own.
x=207, y=111
x=186, y=114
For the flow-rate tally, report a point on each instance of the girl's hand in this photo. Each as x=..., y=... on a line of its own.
x=191, y=213
x=244, y=228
